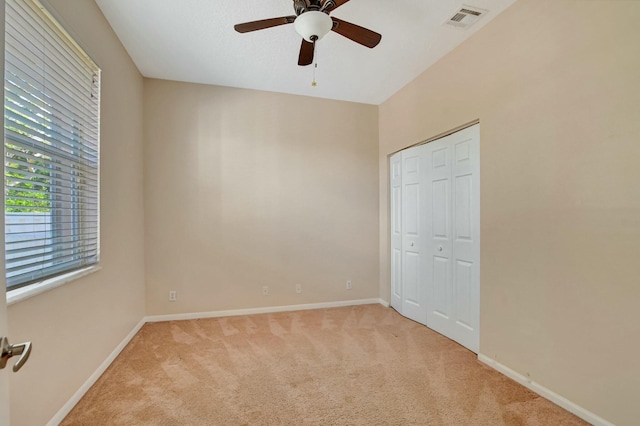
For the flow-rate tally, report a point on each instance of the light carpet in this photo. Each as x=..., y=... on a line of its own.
x=360, y=365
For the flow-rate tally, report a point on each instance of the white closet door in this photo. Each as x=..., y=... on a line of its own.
x=438, y=248
x=466, y=236
x=395, y=172
x=413, y=238
x=453, y=229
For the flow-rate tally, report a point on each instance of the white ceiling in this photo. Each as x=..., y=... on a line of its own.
x=194, y=41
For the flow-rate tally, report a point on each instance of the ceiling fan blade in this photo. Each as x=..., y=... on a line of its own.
x=356, y=33
x=264, y=23
x=337, y=4
x=306, y=53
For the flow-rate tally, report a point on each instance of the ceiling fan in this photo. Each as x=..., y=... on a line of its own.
x=312, y=22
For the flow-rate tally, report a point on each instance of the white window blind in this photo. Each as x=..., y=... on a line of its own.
x=51, y=120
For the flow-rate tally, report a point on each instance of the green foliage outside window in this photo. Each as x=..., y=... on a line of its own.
x=30, y=196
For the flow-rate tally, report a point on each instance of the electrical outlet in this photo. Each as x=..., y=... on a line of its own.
x=265, y=290
x=298, y=288
x=173, y=296
x=349, y=285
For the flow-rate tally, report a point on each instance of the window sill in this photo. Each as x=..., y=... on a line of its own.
x=24, y=293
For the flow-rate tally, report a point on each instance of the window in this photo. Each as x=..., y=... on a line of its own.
x=51, y=121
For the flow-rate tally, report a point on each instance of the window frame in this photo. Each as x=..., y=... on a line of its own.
x=81, y=261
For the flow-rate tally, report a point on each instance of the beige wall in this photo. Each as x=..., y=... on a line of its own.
x=75, y=327
x=555, y=85
x=245, y=189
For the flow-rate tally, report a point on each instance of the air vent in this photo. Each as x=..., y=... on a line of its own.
x=466, y=16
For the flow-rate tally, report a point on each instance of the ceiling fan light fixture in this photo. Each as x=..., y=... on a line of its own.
x=313, y=25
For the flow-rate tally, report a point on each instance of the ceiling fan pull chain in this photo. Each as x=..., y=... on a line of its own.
x=314, y=83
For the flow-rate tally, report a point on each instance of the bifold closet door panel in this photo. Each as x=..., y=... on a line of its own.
x=395, y=197
x=438, y=250
x=466, y=236
x=453, y=231
x=413, y=238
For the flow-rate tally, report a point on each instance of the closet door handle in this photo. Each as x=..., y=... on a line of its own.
x=440, y=248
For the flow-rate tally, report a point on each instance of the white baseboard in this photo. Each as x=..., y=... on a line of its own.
x=563, y=402
x=265, y=310
x=384, y=303
x=68, y=406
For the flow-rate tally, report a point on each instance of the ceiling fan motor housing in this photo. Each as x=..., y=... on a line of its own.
x=313, y=25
